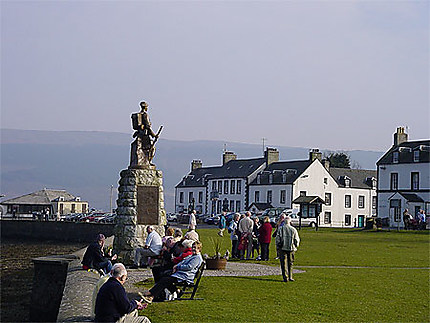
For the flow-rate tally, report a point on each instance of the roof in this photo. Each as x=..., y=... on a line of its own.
x=260, y=206
x=238, y=168
x=42, y=197
x=410, y=197
x=359, y=178
x=308, y=200
x=277, y=170
x=406, y=155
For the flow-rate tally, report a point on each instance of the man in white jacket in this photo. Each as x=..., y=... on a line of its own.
x=287, y=242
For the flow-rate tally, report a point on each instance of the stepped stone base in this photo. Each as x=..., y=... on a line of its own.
x=140, y=203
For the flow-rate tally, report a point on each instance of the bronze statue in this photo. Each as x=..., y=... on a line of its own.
x=143, y=147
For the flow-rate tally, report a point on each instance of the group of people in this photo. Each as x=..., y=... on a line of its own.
x=179, y=258
x=248, y=235
x=419, y=221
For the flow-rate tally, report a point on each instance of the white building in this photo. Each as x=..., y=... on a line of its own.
x=403, y=179
x=216, y=188
x=349, y=194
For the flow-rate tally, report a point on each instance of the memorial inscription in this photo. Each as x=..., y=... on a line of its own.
x=147, y=204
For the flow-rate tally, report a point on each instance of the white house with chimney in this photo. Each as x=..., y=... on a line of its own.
x=403, y=179
x=342, y=197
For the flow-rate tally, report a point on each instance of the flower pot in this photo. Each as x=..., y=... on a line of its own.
x=216, y=264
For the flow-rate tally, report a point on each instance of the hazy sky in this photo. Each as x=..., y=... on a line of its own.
x=326, y=74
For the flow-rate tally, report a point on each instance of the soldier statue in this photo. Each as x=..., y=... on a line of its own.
x=143, y=147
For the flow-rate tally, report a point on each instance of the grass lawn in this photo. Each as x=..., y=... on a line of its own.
x=394, y=289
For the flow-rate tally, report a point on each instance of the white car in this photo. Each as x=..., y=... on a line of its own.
x=306, y=222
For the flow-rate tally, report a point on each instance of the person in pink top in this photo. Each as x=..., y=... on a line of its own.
x=265, y=237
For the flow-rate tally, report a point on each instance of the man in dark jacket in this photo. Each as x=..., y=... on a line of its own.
x=94, y=256
x=112, y=303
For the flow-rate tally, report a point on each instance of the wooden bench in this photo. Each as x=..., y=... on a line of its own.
x=190, y=289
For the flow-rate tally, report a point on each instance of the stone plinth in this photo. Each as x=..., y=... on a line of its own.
x=140, y=203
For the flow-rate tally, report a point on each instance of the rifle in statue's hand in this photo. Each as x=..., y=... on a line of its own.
x=157, y=135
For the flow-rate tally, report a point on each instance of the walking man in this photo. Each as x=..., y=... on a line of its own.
x=222, y=224
x=287, y=242
x=192, y=223
x=245, y=226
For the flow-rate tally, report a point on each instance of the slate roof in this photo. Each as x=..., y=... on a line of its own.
x=358, y=177
x=406, y=155
x=410, y=197
x=42, y=197
x=308, y=199
x=293, y=170
x=239, y=168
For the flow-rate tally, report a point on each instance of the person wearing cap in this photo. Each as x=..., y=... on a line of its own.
x=287, y=242
x=94, y=256
x=152, y=248
x=112, y=303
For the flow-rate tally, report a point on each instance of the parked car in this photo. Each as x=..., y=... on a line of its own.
x=214, y=219
x=172, y=217
x=107, y=218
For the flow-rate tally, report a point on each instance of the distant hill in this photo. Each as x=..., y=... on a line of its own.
x=87, y=163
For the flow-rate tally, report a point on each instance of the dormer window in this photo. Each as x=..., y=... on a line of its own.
x=284, y=177
x=395, y=157
x=416, y=156
x=61, y=199
x=347, y=182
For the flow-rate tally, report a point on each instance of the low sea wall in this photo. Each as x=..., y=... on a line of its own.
x=54, y=230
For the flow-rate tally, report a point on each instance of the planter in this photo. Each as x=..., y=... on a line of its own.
x=216, y=264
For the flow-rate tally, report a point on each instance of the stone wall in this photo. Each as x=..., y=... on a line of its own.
x=52, y=230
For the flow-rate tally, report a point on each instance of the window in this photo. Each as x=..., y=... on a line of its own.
x=214, y=186
x=61, y=208
x=395, y=157
x=232, y=187
x=325, y=180
x=84, y=208
x=219, y=187
x=213, y=207
x=347, y=219
x=374, y=200
x=218, y=206
x=231, y=206
x=328, y=199
x=73, y=208
x=257, y=196
x=239, y=187
x=225, y=187
x=181, y=197
x=394, y=181
x=269, y=196
x=237, y=206
x=200, y=197
x=415, y=181
x=347, y=182
x=361, y=201
x=347, y=201
x=283, y=196
x=302, y=193
x=190, y=197
x=327, y=217
x=416, y=156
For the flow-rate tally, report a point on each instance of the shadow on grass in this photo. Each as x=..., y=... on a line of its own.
x=259, y=278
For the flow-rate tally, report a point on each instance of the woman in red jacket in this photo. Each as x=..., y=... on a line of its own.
x=265, y=238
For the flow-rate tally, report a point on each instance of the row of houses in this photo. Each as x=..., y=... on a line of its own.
x=341, y=197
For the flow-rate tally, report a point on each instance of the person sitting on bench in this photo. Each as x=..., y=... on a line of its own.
x=185, y=271
x=94, y=256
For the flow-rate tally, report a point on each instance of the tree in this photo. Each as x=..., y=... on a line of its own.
x=339, y=160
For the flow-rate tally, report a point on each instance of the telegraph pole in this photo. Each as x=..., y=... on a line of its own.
x=264, y=140
x=111, y=193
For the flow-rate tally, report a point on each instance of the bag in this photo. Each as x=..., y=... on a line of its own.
x=274, y=233
x=243, y=243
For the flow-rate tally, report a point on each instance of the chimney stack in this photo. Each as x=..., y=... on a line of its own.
x=400, y=136
x=196, y=164
x=227, y=156
x=271, y=155
x=315, y=154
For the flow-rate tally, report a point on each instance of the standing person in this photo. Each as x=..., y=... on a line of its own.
x=112, y=303
x=255, y=241
x=94, y=256
x=245, y=227
x=422, y=218
x=233, y=236
x=192, y=222
x=152, y=248
x=222, y=223
x=407, y=217
x=279, y=224
x=265, y=238
x=287, y=241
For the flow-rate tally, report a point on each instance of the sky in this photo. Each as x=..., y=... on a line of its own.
x=338, y=75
